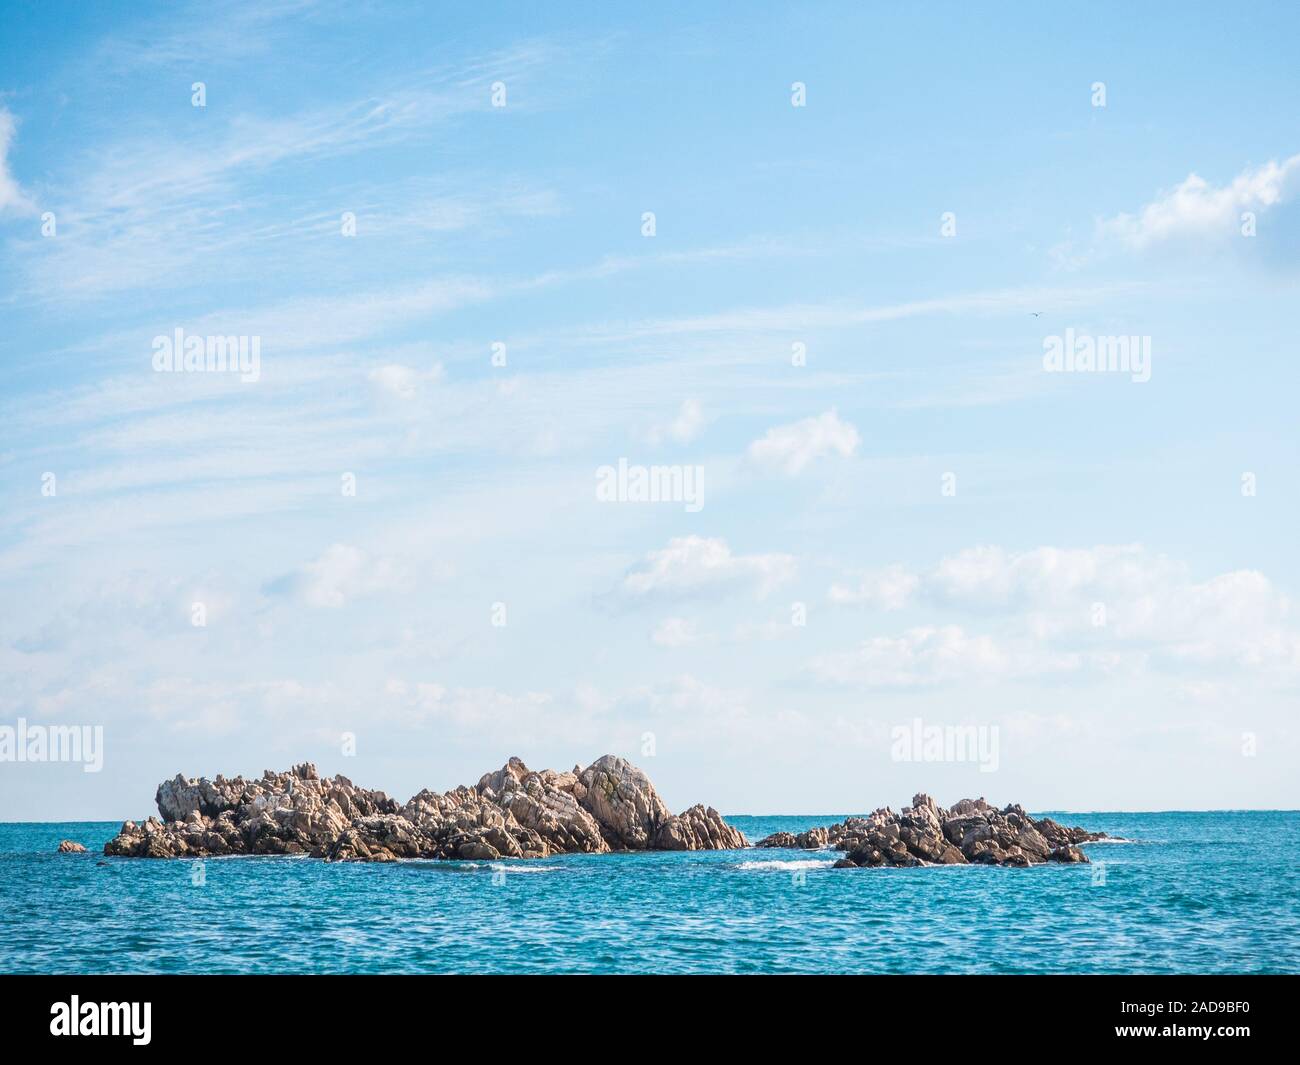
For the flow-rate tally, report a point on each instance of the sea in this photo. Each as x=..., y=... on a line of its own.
x=1184, y=893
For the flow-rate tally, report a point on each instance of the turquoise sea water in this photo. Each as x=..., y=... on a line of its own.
x=1196, y=892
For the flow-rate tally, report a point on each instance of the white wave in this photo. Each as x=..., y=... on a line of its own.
x=452, y=864
x=780, y=866
x=523, y=868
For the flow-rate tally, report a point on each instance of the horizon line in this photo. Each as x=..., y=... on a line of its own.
x=1058, y=810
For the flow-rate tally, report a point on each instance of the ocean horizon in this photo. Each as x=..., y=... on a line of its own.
x=1210, y=892
x=816, y=818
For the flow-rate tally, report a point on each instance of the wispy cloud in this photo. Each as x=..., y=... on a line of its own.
x=192, y=207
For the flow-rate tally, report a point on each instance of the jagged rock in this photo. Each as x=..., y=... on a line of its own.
x=810, y=840
x=513, y=812
x=1058, y=835
x=778, y=839
x=972, y=831
x=67, y=846
x=701, y=828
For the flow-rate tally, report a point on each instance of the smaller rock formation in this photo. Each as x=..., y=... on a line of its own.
x=927, y=834
x=701, y=828
x=68, y=846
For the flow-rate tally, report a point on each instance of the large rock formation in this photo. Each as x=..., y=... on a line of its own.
x=511, y=813
x=927, y=834
x=518, y=813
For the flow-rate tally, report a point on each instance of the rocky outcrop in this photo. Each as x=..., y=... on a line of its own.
x=513, y=812
x=621, y=799
x=68, y=846
x=810, y=840
x=701, y=828
x=927, y=834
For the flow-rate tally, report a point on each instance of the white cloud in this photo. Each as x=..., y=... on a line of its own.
x=692, y=711
x=934, y=655
x=1237, y=618
x=340, y=574
x=471, y=709
x=674, y=632
x=122, y=607
x=989, y=575
x=692, y=565
x=682, y=429
x=686, y=697
x=1195, y=208
x=12, y=196
x=770, y=629
x=790, y=448
x=889, y=589
x=1121, y=605
x=403, y=382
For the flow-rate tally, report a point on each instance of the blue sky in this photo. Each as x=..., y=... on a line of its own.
x=774, y=226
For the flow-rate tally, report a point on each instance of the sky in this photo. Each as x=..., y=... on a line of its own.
x=810, y=262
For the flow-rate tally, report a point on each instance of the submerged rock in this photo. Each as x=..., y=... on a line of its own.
x=68, y=846
x=511, y=813
x=972, y=831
